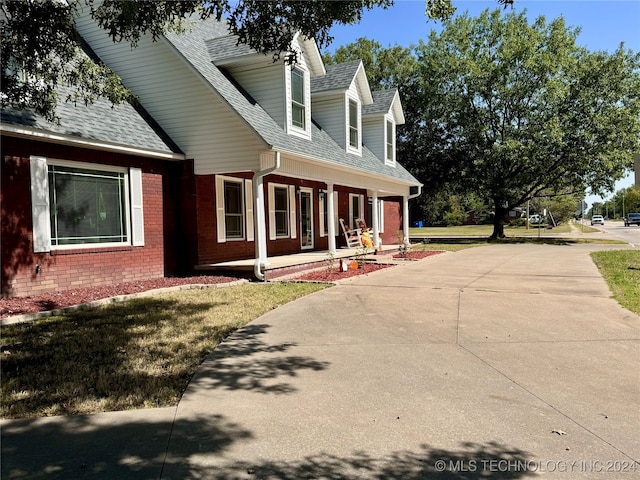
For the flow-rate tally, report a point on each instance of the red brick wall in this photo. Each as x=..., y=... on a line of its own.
x=210, y=251
x=64, y=269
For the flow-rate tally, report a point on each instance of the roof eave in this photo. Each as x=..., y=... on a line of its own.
x=94, y=144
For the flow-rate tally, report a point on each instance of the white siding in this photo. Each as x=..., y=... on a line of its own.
x=266, y=86
x=373, y=135
x=330, y=115
x=193, y=115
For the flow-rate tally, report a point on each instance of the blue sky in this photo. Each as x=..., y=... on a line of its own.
x=604, y=24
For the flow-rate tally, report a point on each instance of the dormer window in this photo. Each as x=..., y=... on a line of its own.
x=298, y=110
x=390, y=142
x=353, y=124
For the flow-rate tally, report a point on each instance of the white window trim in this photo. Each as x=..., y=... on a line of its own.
x=291, y=201
x=302, y=234
x=291, y=128
x=356, y=150
x=247, y=208
x=41, y=214
x=392, y=161
x=352, y=218
x=323, y=199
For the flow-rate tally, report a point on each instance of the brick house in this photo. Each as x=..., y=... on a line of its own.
x=268, y=156
x=71, y=199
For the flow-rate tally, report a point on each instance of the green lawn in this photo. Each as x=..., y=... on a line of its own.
x=134, y=354
x=621, y=270
x=486, y=231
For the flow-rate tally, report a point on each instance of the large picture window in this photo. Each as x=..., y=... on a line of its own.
x=298, y=113
x=76, y=204
x=87, y=206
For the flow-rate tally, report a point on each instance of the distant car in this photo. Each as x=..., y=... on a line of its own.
x=597, y=220
x=632, y=219
x=535, y=219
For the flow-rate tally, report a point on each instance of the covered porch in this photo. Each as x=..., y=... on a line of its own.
x=281, y=265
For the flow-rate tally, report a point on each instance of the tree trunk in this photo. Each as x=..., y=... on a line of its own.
x=498, y=223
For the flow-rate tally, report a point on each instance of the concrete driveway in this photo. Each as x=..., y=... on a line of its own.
x=505, y=361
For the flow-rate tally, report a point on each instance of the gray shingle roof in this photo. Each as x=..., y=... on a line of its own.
x=119, y=124
x=338, y=77
x=227, y=46
x=194, y=48
x=382, y=100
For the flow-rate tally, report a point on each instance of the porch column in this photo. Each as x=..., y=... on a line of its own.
x=331, y=225
x=260, y=230
x=375, y=219
x=405, y=219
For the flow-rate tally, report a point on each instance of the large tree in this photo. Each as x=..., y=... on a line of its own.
x=512, y=110
x=41, y=47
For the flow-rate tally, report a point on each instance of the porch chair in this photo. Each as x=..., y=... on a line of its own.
x=353, y=236
x=362, y=225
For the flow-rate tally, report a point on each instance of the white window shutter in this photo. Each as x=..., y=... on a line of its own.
x=248, y=205
x=40, y=205
x=292, y=211
x=137, y=214
x=272, y=213
x=220, y=220
x=381, y=216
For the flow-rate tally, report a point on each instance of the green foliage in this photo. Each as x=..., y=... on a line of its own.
x=41, y=48
x=513, y=110
x=626, y=199
x=391, y=67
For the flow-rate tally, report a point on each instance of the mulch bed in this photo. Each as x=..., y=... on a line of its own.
x=66, y=298
x=337, y=274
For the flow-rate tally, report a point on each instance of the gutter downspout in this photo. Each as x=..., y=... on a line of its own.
x=259, y=219
x=405, y=214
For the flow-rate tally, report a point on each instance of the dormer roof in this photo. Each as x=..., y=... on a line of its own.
x=385, y=102
x=340, y=77
x=225, y=50
x=193, y=48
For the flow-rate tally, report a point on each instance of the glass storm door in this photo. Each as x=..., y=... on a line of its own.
x=306, y=218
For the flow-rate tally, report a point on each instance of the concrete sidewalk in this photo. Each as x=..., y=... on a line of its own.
x=505, y=361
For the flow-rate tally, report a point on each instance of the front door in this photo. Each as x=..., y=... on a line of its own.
x=306, y=218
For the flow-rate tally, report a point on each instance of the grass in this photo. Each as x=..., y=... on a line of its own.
x=457, y=244
x=487, y=230
x=621, y=270
x=135, y=354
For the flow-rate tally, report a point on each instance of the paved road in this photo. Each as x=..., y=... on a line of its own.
x=505, y=361
x=617, y=230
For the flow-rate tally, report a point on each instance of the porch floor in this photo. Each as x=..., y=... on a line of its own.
x=287, y=264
